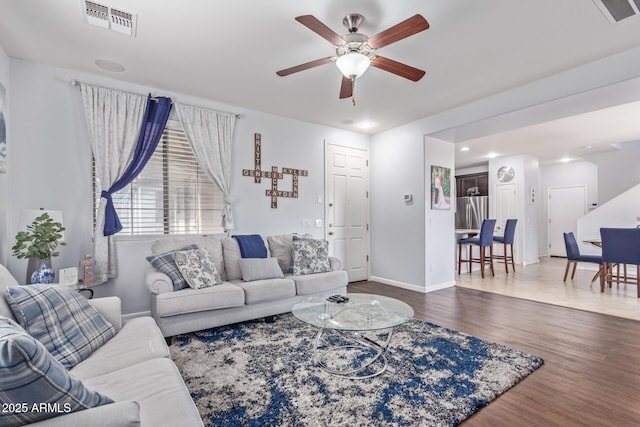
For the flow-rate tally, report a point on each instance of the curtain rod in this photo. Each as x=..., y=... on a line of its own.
x=77, y=83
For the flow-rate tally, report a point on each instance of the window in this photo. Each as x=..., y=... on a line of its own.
x=171, y=195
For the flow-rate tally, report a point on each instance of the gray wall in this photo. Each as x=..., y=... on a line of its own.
x=50, y=167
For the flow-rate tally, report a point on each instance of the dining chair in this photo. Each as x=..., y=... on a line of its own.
x=507, y=242
x=574, y=257
x=483, y=241
x=619, y=246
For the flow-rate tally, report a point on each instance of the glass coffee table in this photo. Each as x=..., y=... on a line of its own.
x=353, y=336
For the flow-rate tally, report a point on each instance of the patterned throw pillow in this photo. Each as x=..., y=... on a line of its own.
x=310, y=256
x=30, y=376
x=165, y=263
x=197, y=268
x=61, y=319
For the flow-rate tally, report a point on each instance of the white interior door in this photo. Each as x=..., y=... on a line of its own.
x=506, y=207
x=347, y=208
x=566, y=205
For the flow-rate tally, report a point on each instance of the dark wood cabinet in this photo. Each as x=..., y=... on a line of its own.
x=465, y=182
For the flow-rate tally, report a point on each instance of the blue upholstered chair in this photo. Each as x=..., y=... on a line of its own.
x=574, y=257
x=483, y=241
x=619, y=246
x=507, y=243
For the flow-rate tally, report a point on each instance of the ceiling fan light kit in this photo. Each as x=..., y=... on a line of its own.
x=355, y=52
x=353, y=64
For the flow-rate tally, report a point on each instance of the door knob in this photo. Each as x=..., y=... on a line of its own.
x=330, y=204
x=331, y=233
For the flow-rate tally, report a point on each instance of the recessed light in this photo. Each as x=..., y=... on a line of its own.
x=366, y=125
x=464, y=149
x=492, y=155
x=105, y=64
x=565, y=159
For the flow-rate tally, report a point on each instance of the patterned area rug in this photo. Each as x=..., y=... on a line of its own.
x=260, y=374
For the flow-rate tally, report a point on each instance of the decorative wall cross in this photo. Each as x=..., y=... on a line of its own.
x=257, y=173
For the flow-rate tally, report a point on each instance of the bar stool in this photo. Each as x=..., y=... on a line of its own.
x=507, y=242
x=483, y=241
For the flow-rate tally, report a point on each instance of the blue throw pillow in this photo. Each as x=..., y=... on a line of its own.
x=165, y=263
x=61, y=319
x=33, y=385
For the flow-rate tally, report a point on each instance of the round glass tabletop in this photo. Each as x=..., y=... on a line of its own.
x=363, y=312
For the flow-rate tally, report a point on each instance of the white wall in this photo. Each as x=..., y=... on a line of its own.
x=618, y=170
x=50, y=167
x=526, y=178
x=5, y=202
x=397, y=237
x=440, y=240
x=559, y=176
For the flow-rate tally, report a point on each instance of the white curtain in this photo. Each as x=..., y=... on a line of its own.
x=210, y=134
x=114, y=120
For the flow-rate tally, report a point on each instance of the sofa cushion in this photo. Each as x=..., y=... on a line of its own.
x=119, y=414
x=197, y=268
x=30, y=375
x=6, y=280
x=165, y=263
x=313, y=283
x=190, y=300
x=260, y=268
x=159, y=389
x=281, y=247
x=213, y=244
x=267, y=290
x=139, y=339
x=61, y=319
x=310, y=256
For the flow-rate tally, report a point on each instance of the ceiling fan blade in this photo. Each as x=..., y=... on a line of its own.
x=304, y=66
x=314, y=24
x=346, y=88
x=397, y=68
x=406, y=28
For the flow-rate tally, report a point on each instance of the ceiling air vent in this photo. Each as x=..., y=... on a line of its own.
x=617, y=10
x=111, y=18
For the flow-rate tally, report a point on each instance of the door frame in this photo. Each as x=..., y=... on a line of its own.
x=366, y=201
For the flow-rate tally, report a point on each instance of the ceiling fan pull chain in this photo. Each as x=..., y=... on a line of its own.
x=353, y=100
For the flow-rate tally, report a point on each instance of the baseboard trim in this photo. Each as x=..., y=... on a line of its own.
x=130, y=316
x=440, y=286
x=397, y=284
x=537, y=260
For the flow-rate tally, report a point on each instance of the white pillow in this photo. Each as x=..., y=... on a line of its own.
x=260, y=269
x=197, y=268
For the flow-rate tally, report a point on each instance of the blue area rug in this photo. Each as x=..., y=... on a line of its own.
x=260, y=374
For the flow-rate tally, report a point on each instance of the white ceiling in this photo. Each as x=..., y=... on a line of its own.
x=229, y=51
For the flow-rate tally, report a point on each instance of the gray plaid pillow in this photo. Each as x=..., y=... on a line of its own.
x=165, y=263
x=61, y=319
x=31, y=376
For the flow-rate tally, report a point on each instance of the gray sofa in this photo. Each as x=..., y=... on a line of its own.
x=234, y=300
x=133, y=368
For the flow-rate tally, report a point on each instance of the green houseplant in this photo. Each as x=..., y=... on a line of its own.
x=39, y=242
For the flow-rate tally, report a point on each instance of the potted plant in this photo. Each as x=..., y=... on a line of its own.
x=39, y=243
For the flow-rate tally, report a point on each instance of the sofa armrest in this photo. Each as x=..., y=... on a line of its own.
x=157, y=282
x=110, y=308
x=336, y=264
x=119, y=414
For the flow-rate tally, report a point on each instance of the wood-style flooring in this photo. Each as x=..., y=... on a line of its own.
x=591, y=375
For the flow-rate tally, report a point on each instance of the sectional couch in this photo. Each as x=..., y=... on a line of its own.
x=241, y=296
x=133, y=368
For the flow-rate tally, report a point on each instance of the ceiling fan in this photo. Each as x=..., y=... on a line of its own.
x=355, y=52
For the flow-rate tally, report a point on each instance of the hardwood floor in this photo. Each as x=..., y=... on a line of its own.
x=591, y=375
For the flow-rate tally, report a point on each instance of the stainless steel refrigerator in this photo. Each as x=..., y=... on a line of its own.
x=471, y=211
